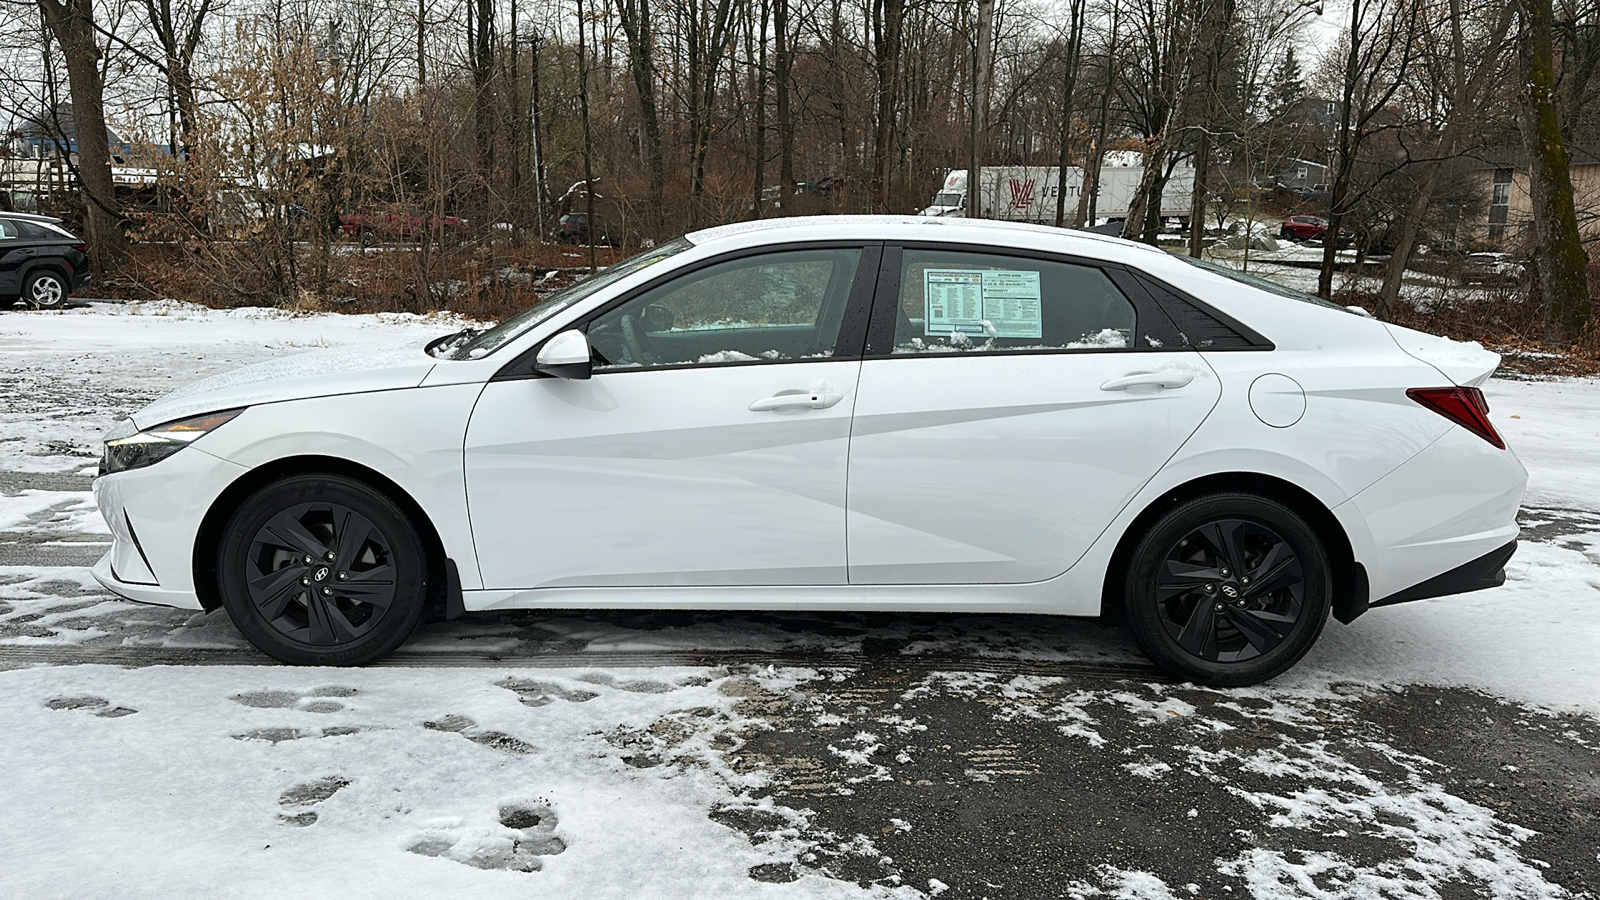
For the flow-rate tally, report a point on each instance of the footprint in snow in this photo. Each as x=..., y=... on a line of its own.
x=543, y=693
x=454, y=724
x=100, y=706
x=318, y=700
x=526, y=833
x=299, y=799
x=642, y=686
x=279, y=735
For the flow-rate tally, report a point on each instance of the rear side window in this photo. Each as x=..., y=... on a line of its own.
x=8, y=229
x=37, y=232
x=963, y=302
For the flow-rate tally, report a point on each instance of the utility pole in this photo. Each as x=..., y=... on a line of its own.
x=980, y=103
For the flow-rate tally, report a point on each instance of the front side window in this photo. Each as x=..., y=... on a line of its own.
x=959, y=302
x=774, y=307
x=519, y=324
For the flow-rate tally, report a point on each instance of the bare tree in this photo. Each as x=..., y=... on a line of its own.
x=1380, y=46
x=1558, y=250
x=72, y=24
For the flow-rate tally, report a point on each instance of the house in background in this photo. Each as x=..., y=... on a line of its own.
x=38, y=155
x=1303, y=176
x=1501, y=177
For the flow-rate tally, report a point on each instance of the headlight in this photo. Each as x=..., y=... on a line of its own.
x=129, y=448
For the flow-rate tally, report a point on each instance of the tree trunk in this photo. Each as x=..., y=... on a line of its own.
x=588, y=151
x=540, y=172
x=1197, y=201
x=72, y=24
x=980, y=105
x=1344, y=154
x=1089, y=196
x=783, y=62
x=1069, y=86
x=887, y=18
x=1558, y=250
x=635, y=17
x=760, y=175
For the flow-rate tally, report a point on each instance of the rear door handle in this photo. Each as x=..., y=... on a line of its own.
x=797, y=400
x=1160, y=380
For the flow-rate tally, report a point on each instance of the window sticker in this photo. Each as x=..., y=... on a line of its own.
x=986, y=302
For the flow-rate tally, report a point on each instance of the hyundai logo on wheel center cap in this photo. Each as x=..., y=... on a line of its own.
x=321, y=574
x=1228, y=589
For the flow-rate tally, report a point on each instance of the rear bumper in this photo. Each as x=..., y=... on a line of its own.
x=1486, y=571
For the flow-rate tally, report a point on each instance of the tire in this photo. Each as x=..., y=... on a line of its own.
x=373, y=589
x=1190, y=602
x=45, y=289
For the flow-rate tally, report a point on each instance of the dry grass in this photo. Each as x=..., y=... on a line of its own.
x=478, y=280
x=1508, y=319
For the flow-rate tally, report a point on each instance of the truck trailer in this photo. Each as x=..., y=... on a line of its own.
x=1028, y=193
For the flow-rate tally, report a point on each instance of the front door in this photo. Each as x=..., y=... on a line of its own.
x=709, y=448
x=1021, y=406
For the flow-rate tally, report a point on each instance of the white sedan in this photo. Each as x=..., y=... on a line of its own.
x=839, y=413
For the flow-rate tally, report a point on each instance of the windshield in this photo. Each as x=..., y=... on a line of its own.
x=1256, y=281
x=947, y=198
x=517, y=325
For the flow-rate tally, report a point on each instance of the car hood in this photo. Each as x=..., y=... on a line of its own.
x=320, y=373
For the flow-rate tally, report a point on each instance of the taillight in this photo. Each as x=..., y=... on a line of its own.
x=1464, y=406
x=81, y=248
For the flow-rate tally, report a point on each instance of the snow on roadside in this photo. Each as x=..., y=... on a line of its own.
x=1554, y=428
x=69, y=375
x=275, y=782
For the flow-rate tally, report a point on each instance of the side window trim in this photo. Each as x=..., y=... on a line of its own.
x=852, y=330
x=1165, y=295
x=1149, y=318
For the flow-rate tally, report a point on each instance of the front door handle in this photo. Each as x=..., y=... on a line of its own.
x=797, y=400
x=1158, y=380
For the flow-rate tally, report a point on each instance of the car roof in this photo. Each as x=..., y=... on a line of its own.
x=30, y=217
x=930, y=228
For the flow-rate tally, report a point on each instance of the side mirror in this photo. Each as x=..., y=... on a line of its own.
x=565, y=356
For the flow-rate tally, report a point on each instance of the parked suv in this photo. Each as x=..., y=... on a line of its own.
x=1306, y=228
x=40, y=261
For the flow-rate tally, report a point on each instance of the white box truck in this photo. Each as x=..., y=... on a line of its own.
x=1028, y=193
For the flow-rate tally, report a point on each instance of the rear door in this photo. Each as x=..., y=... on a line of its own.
x=14, y=252
x=1009, y=407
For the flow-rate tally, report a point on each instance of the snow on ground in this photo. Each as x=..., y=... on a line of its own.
x=600, y=782
x=278, y=782
x=59, y=365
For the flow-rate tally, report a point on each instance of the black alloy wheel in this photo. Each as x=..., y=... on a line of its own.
x=322, y=570
x=1228, y=589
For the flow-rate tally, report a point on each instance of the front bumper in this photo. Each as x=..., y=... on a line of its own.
x=105, y=573
x=154, y=514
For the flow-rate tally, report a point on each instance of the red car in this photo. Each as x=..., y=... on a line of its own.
x=1305, y=228
x=403, y=222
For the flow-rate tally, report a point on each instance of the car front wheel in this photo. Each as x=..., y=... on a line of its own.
x=322, y=570
x=1227, y=589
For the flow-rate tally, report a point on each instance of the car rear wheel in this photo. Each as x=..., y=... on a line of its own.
x=322, y=570
x=45, y=290
x=1228, y=589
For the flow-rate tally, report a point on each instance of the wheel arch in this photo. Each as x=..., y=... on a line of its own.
x=44, y=265
x=444, y=584
x=1350, y=591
